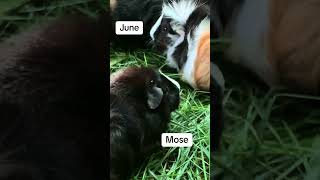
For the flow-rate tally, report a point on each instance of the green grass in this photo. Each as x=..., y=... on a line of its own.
x=193, y=116
x=269, y=134
x=16, y=15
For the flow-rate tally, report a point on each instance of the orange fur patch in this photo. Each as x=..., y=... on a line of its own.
x=202, y=63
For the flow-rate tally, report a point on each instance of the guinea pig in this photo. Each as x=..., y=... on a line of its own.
x=277, y=40
x=52, y=101
x=141, y=101
x=182, y=33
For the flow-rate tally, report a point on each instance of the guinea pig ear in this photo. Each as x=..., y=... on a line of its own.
x=154, y=96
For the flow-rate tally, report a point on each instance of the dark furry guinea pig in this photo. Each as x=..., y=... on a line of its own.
x=182, y=33
x=276, y=40
x=53, y=100
x=141, y=102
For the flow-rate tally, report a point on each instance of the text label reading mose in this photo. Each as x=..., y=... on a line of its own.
x=176, y=139
x=129, y=27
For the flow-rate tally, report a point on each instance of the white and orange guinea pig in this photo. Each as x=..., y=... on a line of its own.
x=182, y=33
x=279, y=40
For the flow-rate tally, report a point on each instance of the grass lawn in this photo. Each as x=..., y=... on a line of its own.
x=193, y=116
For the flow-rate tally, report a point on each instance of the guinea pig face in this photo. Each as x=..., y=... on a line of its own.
x=182, y=32
x=169, y=30
x=165, y=35
x=156, y=90
x=161, y=91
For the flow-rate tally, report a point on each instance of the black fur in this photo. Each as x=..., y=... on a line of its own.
x=147, y=11
x=181, y=54
x=195, y=18
x=216, y=121
x=224, y=11
x=161, y=35
x=215, y=21
x=53, y=101
x=222, y=14
x=135, y=129
x=216, y=114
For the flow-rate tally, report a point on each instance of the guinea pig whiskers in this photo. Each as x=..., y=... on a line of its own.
x=170, y=79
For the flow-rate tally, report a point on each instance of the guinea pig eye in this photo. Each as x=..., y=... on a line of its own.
x=165, y=27
x=152, y=82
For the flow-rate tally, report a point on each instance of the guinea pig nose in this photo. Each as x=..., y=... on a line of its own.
x=171, y=80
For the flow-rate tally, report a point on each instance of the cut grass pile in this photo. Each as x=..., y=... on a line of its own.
x=268, y=134
x=193, y=116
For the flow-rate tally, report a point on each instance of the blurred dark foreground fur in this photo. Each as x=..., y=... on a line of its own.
x=53, y=99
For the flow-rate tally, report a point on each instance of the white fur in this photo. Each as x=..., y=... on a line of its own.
x=204, y=26
x=248, y=38
x=176, y=40
x=188, y=69
x=155, y=27
x=179, y=11
x=171, y=80
x=171, y=49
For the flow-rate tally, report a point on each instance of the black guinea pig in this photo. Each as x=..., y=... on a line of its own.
x=141, y=101
x=53, y=100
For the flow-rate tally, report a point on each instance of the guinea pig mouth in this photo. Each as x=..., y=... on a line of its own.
x=173, y=98
x=174, y=103
x=160, y=47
